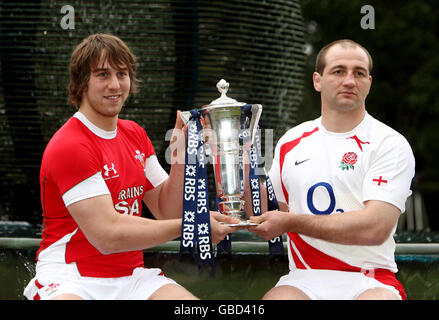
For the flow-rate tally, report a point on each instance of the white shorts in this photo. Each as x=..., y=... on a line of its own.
x=139, y=286
x=332, y=284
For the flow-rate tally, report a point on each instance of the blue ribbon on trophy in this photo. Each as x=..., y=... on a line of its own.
x=275, y=245
x=225, y=245
x=196, y=233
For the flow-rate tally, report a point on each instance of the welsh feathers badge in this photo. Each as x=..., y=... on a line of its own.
x=348, y=161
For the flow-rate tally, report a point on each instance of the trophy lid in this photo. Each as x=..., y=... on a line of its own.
x=223, y=100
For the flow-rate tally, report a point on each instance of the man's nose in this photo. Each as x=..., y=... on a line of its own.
x=114, y=82
x=349, y=79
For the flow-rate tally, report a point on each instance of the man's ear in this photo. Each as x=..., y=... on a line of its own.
x=316, y=81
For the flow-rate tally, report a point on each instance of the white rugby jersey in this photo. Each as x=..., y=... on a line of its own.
x=316, y=171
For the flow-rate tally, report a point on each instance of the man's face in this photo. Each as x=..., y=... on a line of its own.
x=107, y=89
x=345, y=82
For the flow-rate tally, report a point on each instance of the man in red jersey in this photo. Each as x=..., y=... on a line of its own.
x=95, y=172
x=341, y=181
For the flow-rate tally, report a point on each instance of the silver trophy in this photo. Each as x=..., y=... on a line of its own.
x=229, y=129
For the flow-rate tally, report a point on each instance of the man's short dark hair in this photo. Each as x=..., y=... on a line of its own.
x=345, y=43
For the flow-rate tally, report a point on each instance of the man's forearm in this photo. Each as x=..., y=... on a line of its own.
x=141, y=234
x=371, y=225
x=350, y=228
x=171, y=194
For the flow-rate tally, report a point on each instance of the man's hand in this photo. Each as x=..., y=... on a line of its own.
x=177, y=144
x=271, y=224
x=218, y=229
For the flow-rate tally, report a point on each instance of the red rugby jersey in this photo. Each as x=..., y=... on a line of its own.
x=76, y=160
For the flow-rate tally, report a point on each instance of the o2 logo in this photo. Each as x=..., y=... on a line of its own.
x=310, y=201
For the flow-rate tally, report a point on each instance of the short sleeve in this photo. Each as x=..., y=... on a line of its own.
x=154, y=172
x=89, y=188
x=68, y=163
x=390, y=174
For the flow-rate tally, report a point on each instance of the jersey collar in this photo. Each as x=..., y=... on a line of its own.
x=96, y=130
x=363, y=123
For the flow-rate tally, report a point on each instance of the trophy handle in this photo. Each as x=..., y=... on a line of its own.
x=256, y=110
x=185, y=116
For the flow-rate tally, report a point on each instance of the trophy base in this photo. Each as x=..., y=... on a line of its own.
x=243, y=223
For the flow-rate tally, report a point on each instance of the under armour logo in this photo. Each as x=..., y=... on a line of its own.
x=107, y=170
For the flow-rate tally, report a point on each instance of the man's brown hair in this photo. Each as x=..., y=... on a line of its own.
x=85, y=59
x=345, y=43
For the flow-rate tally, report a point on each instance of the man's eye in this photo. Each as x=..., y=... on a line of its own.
x=102, y=74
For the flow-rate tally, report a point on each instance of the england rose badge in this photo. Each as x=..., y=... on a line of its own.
x=348, y=161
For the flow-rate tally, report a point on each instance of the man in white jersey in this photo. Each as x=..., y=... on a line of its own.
x=341, y=181
x=96, y=171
